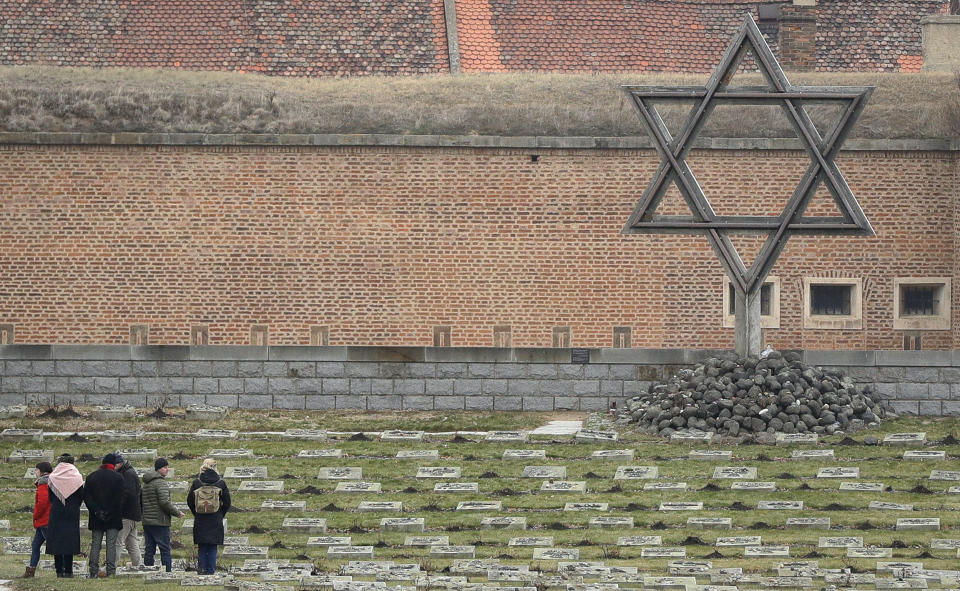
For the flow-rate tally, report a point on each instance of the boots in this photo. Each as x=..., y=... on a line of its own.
x=31, y=570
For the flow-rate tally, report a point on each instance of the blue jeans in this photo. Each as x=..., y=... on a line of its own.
x=39, y=537
x=154, y=537
x=206, y=559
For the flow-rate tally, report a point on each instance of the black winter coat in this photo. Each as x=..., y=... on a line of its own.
x=63, y=532
x=208, y=527
x=103, y=494
x=132, y=500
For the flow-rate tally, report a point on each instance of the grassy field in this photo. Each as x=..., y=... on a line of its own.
x=499, y=479
x=112, y=100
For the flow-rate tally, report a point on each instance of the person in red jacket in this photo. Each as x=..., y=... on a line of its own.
x=41, y=516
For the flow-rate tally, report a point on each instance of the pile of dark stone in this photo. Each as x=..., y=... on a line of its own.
x=749, y=397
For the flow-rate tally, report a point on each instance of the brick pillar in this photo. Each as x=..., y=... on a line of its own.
x=798, y=36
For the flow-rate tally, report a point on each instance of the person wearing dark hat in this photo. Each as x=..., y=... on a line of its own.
x=132, y=511
x=157, y=511
x=65, y=485
x=41, y=515
x=103, y=494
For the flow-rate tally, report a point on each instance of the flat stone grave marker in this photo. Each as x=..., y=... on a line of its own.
x=240, y=472
x=261, y=486
x=945, y=475
x=205, y=412
x=861, y=486
x=736, y=541
x=524, y=454
x=754, y=485
x=593, y=435
x=691, y=437
x=358, y=486
x=922, y=454
x=838, y=472
x=177, y=485
x=480, y=506
x=217, y=433
x=556, y=554
x=376, y=506
x=953, y=490
x=452, y=551
x=636, y=472
x=840, y=542
x=612, y=454
x=22, y=434
x=5, y=524
x=710, y=522
x=812, y=454
x=426, y=541
x=236, y=540
x=639, y=541
x=400, y=435
x=911, y=439
x=307, y=525
x=478, y=567
x=17, y=411
x=507, y=436
x=780, y=505
x=898, y=567
x=918, y=524
x=283, y=505
x=710, y=454
x=854, y=552
x=340, y=473
x=503, y=523
x=885, y=506
x=544, y=541
x=350, y=552
x=221, y=454
x=766, y=551
x=139, y=453
x=808, y=522
x=456, y=487
x=403, y=524
x=552, y=472
x=609, y=522
x=305, y=434
x=665, y=486
x=241, y=551
x=439, y=472
x=689, y=567
x=159, y=577
x=121, y=434
x=586, y=507
x=848, y=579
x=328, y=541
x=663, y=552
x=112, y=413
x=944, y=544
x=418, y=454
x=681, y=506
x=193, y=580
x=780, y=582
x=31, y=455
x=17, y=546
x=744, y=472
x=797, y=439
x=564, y=486
x=320, y=453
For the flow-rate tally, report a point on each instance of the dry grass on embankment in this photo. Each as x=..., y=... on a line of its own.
x=113, y=100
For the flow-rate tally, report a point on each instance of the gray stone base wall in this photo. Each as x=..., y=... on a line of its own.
x=413, y=378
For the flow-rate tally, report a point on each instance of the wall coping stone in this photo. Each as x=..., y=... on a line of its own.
x=443, y=141
x=450, y=354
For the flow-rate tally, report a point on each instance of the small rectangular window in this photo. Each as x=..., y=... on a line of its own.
x=831, y=300
x=258, y=335
x=319, y=336
x=921, y=303
x=766, y=298
x=139, y=334
x=501, y=336
x=442, y=336
x=621, y=337
x=561, y=336
x=199, y=335
x=919, y=300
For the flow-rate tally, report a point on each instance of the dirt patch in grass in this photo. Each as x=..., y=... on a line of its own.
x=693, y=541
x=592, y=476
x=848, y=441
x=381, y=544
x=76, y=438
x=925, y=554
x=332, y=508
x=557, y=526
x=359, y=437
x=948, y=440
x=759, y=525
x=289, y=477
x=181, y=456
x=837, y=507
x=410, y=490
x=764, y=458
x=813, y=554
x=66, y=413
x=615, y=489
x=898, y=544
x=921, y=490
x=159, y=413
x=785, y=476
x=659, y=525
x=738, y=506
x=461, y=439
x=85, y=457
x=506, y=492
x=431, y=507
x=309, y=490
x=865, y=525
x=254, y=529
x=804, y=486
x=584, y=542
x=635, y=507
x=711, y=487
x=278, y=545
x=715, y=554
x=489, y=475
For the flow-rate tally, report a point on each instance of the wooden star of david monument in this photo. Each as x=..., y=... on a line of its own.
x=822, y=170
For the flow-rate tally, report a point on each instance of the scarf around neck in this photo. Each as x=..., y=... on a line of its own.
x=64, y=481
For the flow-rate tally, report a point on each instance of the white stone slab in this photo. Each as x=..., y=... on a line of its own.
x=727, y=472
x=245, y=551
x=738, y=541
x=911, y=439
x=586, y=507
x=610, y=522
x=350, y=552
x=636, y=473
x=217, y=433
x=710, y=454
x=808, y=522
x=861, y=487
x=780, y=505
x=885, y=506
x=121, y=434
x=439, y=472
x=559, y=428
x=320, y=453
x=402, y=524
x=480, y=506
x=543, y=541
x=840, y=542
x=552, y=472
x=639, y=541
x=340, y=473
x=922, y=454
x=918, y=524
x=507, y=436
x=754, y=485
x=307, y=525
x=426, y=541
x=31, y=455
x=132, y=454
x=797, y=439
x=556, y=486
x=229, y=454
x=663, y=552
x=869, y=552
x=681, y=506
x=665, y=486
x=236, y=540
x=524, y=454
x=246, y=472
x=17, y=411
x=401, y=435
x=456, y=487
x=418, y=454
x=770, y=551
x=556, y=554
x=710, y=522
x=503, y=523
x=944, y=544
x=22, y=435
x=951, y=475
x=839, y=472
x=327, y=541
x=812, y=454
x=692, y=436
x=275, y=505
x=452, y=551
x=359, y=487
x=261, y=486
x=593, y=435
x=612, y=454
x=112, y=413
x=305, y=434
x=379, y=506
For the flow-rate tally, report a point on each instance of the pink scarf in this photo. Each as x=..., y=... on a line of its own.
x=64, y=481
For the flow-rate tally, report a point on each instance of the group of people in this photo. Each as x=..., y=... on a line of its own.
x=117, y=502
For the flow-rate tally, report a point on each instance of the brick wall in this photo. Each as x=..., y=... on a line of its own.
x=350, y=37
x=414, y=378
x=380, y=244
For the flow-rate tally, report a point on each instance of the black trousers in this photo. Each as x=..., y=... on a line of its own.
x=63, y=563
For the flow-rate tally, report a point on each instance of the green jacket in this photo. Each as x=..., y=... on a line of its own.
x=157, y=506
